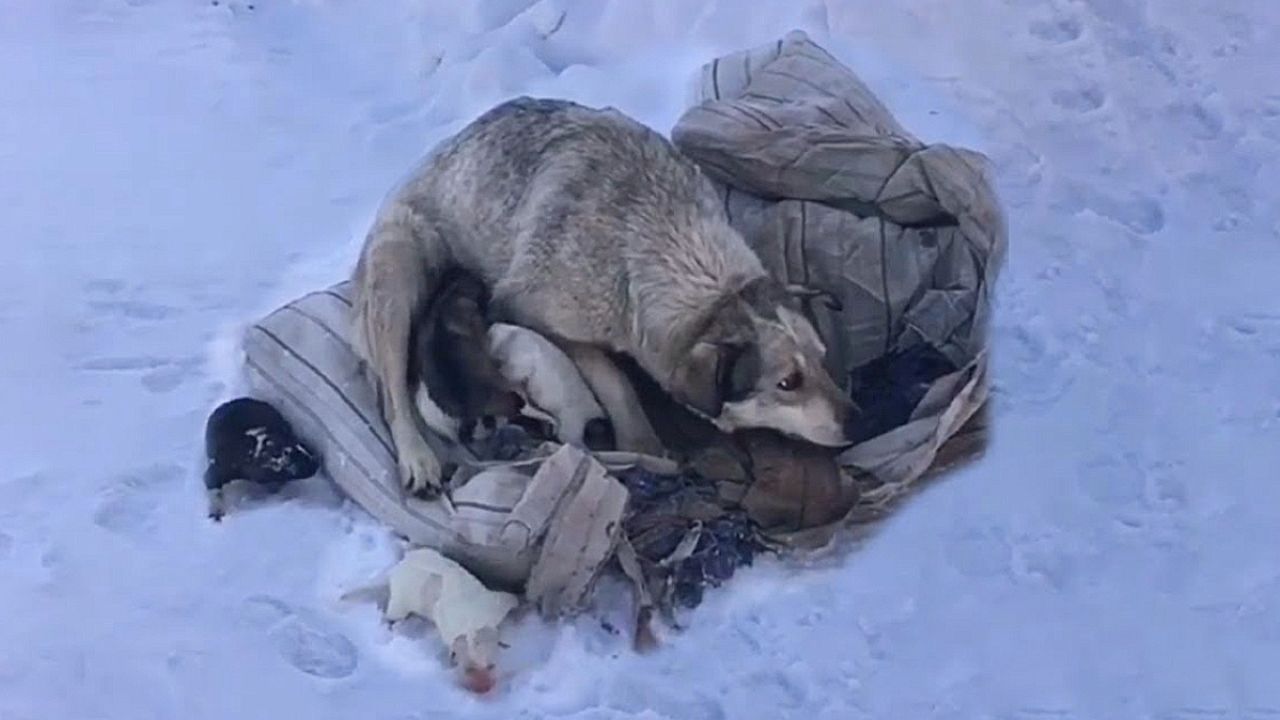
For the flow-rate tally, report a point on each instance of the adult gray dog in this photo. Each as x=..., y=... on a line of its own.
x=594, y=231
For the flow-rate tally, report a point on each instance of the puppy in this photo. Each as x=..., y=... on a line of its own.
x=457, y=384
x=248, y=439
x=551, y=386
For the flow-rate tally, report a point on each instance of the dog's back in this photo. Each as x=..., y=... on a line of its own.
x=594, y=231
x=576, y=217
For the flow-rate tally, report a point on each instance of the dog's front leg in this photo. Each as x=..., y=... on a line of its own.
x=618, y=398
x=392, y=277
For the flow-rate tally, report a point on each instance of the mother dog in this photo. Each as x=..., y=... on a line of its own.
x=594, y=231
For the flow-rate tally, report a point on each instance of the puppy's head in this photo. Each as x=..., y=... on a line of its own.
x=758, y=363
x=278, y=457
x=474, y=656
x=300, y=461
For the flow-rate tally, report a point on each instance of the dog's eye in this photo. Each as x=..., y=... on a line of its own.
x=791, y=382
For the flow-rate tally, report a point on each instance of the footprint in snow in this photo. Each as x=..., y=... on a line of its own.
x=1113, y=482
x=130, y=363
x=1057, y=31
x=1082, y=100
x=1137, y=211
x=132, y=309
x=1196, y=120
x=165, y=379
x=104, y=286
x=109, y=299
x=300, y=640
x=979, y=553
x=627, y=696
x=159, y=374
x=128, y=502
x=1052, y=564
x=1034, y=372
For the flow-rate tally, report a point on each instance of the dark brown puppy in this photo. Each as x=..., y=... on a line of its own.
x=456, y=382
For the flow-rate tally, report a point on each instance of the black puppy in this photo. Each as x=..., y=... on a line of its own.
x=247, y=439
x=456, y=382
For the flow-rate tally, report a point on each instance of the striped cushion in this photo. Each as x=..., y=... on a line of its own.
x=299, y=359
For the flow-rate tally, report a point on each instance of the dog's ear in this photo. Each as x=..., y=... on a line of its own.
x=716, y=373
x=807, y=293
x=739, y=371
x=697, y=382
x=706, y=373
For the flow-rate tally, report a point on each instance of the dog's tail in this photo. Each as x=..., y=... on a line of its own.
x=400, y=267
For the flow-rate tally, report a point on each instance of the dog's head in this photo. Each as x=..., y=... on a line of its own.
x=757, y=362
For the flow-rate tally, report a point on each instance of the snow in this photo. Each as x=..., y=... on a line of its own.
x=173, y=169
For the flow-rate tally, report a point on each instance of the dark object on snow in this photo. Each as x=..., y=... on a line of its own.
x=684, y=537
x=247, y=439
x=889, y=388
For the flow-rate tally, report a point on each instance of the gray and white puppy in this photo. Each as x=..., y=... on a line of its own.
x=594, y=231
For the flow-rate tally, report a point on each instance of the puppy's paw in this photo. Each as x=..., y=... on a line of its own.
x=217, y=504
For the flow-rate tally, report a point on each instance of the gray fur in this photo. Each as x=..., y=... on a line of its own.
x=594, y=231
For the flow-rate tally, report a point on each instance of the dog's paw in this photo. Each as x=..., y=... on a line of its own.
x=420, y=471
x=421, y=475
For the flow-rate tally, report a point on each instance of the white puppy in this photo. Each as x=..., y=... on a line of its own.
x=553, y=389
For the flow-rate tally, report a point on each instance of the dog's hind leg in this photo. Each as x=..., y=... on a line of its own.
x=616, y=395
x=399, y=267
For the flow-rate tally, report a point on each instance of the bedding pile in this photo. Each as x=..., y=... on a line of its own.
x=832, y=193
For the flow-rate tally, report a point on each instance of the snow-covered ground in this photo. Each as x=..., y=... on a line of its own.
x=169, y=169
